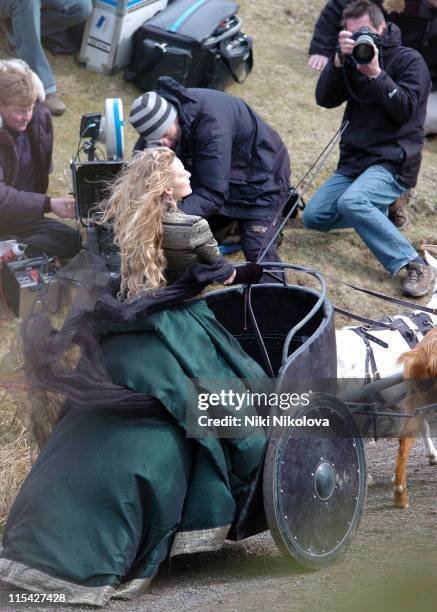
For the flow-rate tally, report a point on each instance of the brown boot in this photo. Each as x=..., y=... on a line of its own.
x=419, y=279
x=397, y=213
x=54, y=103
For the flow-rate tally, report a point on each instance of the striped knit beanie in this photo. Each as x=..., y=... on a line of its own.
x=151, y=115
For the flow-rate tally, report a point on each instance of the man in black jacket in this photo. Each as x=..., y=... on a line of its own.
x=380, y=151
x=240, y=167
x=417, y=20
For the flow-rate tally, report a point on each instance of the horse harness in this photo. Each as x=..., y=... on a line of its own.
x=421, y=324
x=420, y=319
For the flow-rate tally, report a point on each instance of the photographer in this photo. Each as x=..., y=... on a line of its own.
x=26, y=142
x=380, y=151
x=417, y=20
x=240, y=167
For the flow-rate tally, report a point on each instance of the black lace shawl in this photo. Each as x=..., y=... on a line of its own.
x=60, y=340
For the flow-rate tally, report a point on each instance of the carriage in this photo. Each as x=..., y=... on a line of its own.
x=312, y=488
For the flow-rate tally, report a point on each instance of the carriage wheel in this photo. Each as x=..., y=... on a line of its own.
x=315, y=484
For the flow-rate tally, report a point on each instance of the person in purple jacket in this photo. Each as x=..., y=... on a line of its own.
x=23, y=23
x=26, y=143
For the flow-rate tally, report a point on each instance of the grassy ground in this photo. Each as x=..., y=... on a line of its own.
x=281, y=89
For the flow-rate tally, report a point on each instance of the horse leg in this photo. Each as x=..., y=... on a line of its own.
x=430, y=450
x=400, y=481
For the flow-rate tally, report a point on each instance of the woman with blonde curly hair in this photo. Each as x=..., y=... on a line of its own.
x=158, y=242
x=125, y=483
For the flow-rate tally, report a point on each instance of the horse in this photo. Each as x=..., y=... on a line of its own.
x=418, y=364
x=359, y=356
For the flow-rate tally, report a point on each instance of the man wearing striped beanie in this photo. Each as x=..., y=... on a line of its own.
x=239, y=165
x=152, y=116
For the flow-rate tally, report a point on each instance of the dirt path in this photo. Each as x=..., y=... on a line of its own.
x=252, y=574
x=391, y=564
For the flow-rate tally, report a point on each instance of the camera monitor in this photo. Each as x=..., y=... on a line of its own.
x=90, y=183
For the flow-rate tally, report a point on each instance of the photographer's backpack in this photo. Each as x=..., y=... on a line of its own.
x=198, y=43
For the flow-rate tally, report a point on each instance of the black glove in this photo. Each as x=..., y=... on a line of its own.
x=292, y=198
x=249, y=274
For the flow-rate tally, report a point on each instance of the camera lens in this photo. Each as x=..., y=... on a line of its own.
x=363, y=51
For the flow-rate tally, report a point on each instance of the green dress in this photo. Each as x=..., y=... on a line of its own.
x=114, y=493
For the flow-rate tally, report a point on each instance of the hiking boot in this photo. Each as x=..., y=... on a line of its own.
x=397, y=212
x=419, y=279
x=54, y=103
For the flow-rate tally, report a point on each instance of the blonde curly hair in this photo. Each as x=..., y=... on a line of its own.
x=134, y=209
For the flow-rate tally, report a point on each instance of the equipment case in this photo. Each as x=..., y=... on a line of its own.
x=26, y=281
x=199, y=44
x=107, y=40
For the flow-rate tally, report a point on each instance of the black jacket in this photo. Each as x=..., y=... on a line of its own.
x=417, y=22
x=386, y=121
x=239, y=165
x=15, y=204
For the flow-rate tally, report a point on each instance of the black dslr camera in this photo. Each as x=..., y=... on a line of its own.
x=363, y=51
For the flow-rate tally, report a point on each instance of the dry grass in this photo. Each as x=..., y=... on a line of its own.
x=281, y=89
x=15, y=455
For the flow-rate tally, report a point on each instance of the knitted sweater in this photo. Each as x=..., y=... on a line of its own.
x=187, y=240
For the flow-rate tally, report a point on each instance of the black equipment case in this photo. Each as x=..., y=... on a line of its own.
x=198, y=43
x=27, y=281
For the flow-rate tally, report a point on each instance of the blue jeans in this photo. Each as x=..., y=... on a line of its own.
x=32, y=19
x=362, y=203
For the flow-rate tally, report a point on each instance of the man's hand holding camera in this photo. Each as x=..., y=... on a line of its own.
x=346, y=44
x=373, y=69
